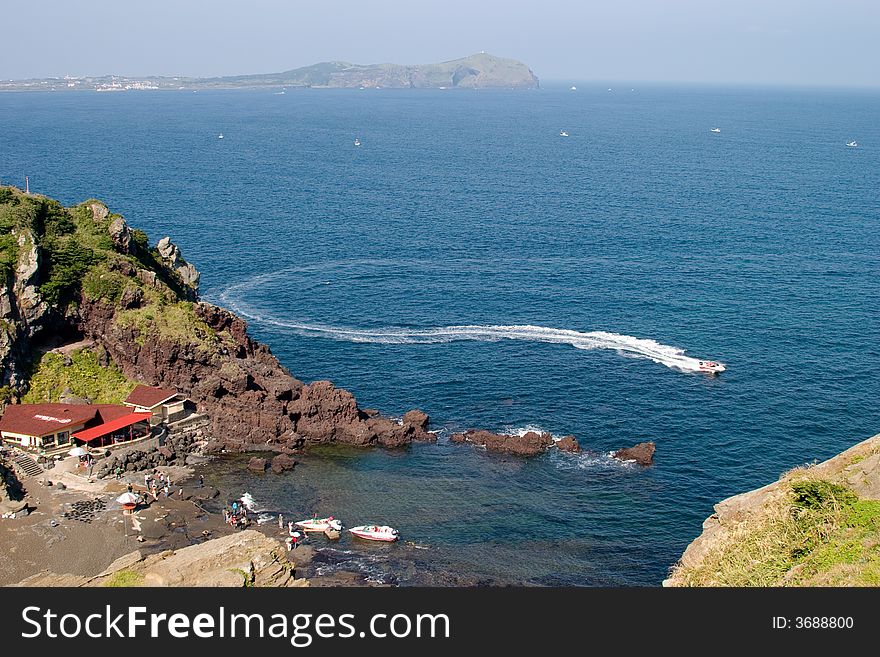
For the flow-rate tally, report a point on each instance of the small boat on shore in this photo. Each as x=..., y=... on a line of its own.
x=375, y=533
x=319, y=524
x=711, y=366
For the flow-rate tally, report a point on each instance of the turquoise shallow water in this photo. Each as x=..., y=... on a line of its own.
x=381, y=267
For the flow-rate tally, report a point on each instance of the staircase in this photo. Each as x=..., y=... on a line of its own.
x=27, y=465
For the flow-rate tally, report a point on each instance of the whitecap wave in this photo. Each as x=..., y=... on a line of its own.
x=626, y=345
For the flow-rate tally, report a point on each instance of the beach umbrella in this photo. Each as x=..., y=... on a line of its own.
x=127, y=499
x=77, y=451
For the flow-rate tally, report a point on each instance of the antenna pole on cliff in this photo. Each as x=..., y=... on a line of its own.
x=27, y=185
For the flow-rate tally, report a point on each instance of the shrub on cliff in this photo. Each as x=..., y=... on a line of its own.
x=82, y=374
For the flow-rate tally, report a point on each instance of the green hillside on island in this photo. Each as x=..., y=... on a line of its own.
x=479, y=71
x=818, y=525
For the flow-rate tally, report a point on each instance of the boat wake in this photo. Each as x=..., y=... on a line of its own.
x=625, y=345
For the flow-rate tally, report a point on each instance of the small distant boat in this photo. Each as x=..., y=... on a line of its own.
x=563, y=133
x=375, y=533
x=711, y=367
x=573, y=88
x=852, y=144
x=357, y=142
x=715, y=130
x=319, y=524
x=220, y=136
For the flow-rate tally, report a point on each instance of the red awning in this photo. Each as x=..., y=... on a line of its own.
x=88, y=435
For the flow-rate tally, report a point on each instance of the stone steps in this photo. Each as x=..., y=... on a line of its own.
x=28, y=465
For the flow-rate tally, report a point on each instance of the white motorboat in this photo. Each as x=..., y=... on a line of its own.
x=563, y=133
x=357, y=142
x=220, y=136
x=852, y=144
x=711, y=366
x=375, y=533
x=715, y=130
x=319, y=524
x=573, y=89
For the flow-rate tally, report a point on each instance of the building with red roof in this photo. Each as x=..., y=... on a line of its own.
x=55, y=426
x=165, y=404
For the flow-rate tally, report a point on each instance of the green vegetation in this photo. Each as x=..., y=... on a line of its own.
x=84, y=376
x=818, y=533
x=173, y=321
x=124, y=578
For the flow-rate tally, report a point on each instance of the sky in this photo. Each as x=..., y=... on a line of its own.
x=763, y=42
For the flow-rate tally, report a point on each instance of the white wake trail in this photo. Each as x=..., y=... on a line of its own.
x=626, y=345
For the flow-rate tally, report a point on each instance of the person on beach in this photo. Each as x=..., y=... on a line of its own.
x=147, y=478
x=118, y=473
x=201, y=481
x=130, y=487
x=280, y=521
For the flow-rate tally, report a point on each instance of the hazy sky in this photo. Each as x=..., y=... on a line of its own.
x=821, y=42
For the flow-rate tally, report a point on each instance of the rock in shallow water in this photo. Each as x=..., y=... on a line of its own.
x=643, y=453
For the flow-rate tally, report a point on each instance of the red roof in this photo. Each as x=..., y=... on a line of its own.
x=44, y=419
x=88, y=435
x=149, y=396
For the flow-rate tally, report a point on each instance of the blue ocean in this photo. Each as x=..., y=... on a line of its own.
x=469, y=260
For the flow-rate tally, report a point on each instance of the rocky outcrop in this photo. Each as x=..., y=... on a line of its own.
x=857, y=468
x=643, y=453
x=568, y=444
x=12, y=495
x=527, y=444
x=243, y=559
x=171, y=255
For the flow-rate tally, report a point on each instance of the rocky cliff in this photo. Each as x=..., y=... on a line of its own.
x=819, y=525
x=244, y=559
x=82, y=272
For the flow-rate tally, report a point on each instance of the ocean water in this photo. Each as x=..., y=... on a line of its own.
x=469, y=261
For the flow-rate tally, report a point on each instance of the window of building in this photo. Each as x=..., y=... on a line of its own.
x=63, y=437
x=47, y=440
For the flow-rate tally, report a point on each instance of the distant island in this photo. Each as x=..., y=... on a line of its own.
x=480, y=71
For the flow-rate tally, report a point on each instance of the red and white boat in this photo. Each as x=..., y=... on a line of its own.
x=375, y=533
x=319, y=524
x=711, y=366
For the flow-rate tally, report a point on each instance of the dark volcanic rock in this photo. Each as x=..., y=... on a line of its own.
x=529, y=444
x=282, y=462
x=568, y=444
x=257, y=464
x=643, y=453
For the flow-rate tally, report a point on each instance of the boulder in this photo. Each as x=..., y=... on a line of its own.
x=568, y=444
x=282, y=462
x=256, y=464
x=643, y=453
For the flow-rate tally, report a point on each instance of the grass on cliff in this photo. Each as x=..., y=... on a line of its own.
x=819, y=533
x=84, y=376
x=171, y=321
x=124, y=578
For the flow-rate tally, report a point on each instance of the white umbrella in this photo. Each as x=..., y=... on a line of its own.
x=77, y=451
x=127, y=498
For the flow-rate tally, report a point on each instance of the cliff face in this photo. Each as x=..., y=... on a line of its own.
x=817, y=526
x=140, y=305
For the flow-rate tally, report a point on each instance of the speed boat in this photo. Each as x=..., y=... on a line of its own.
x=375, y=533
x=715, y=130
x=563, y=133
x=357, y=142
x=852, y=144
x=319, y=524
x=711, y=366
